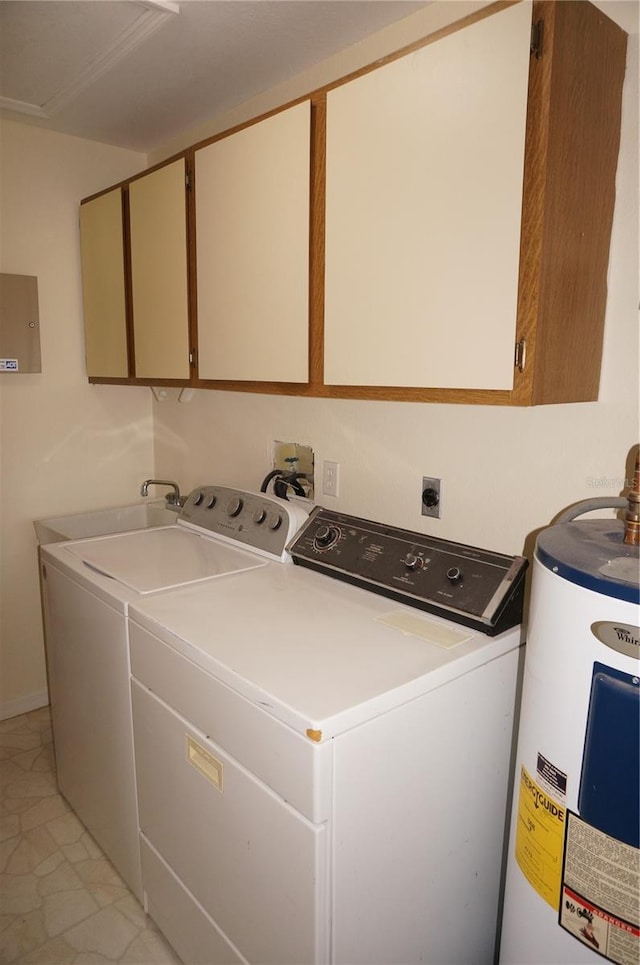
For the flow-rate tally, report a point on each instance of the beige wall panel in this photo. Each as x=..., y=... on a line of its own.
x=424, y=191
x=105, y=325
x=159, y=273
x=252, y=223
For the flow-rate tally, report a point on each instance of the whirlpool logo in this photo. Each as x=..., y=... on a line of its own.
x=623, y=637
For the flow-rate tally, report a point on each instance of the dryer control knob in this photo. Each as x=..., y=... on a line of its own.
x=259, y=516
x=276, y=522
x=454, y=575
x=413, y=562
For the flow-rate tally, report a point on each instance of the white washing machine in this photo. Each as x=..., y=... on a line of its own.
x=322, y=768
x=87, y=588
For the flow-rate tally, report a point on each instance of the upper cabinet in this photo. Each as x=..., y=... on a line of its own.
x=159, y=276
x=103, y=285
x=425, y=159
x=469, y=208
x=252, y=251
x=434, y=227
x=134, y=252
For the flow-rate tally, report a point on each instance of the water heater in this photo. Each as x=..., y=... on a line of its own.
x=572, y=892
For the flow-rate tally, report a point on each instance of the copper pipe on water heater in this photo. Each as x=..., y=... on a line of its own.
x=632, y=516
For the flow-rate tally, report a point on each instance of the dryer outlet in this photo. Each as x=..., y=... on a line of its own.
x=430, y=502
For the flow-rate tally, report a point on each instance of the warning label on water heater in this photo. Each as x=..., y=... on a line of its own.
x=552, y=778
x=601, y=892
x=540, y=838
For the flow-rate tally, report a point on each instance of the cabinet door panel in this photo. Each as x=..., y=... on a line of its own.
x=424, y=192
x=252, y=223
x=102, y=247
x=158, y=227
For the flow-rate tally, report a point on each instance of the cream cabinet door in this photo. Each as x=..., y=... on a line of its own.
x=158, y=225
x=103, y=286
x=252, y=230
x=423, y=208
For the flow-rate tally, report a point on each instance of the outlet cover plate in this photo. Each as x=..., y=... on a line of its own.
x=431, y=497
x=330, y=478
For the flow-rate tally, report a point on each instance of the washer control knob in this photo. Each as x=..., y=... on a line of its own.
x=413, y=562
x=275, y=522
x=197, y=499
x=454, y=575
x=325, y=537
x=234, y=507
x=211, y=501
x=259, y=516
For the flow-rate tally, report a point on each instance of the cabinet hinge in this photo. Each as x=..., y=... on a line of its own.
x=521, y=355
x=537, y=37
x=192, y=358
x=187, y=181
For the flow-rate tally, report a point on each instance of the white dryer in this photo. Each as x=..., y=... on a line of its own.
x=88, y=587
x=322, y=768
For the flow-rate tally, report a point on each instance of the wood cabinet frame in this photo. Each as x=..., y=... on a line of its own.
x=576, y=75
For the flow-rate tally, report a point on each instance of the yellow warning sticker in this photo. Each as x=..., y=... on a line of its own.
x=539, y=839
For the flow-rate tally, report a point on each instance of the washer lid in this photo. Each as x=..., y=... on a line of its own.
x=591, y=553
x=158, y=559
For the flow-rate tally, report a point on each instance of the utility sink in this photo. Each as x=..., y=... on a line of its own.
x=102, y=522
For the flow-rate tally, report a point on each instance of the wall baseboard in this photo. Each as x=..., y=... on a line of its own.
x=22, y=705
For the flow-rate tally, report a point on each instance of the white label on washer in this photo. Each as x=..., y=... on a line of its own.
x=9, y=365
x=418, y=626
x=600, y=899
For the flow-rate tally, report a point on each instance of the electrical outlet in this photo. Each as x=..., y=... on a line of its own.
x=431, y=497
x=330, y=477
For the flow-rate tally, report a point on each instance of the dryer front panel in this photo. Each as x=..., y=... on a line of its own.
x=256, y=865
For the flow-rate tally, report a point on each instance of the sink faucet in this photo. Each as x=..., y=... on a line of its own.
x=172, y=499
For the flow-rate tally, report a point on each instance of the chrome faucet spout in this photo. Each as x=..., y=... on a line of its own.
x=172, y=499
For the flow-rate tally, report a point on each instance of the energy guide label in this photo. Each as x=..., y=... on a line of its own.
x=540, y=839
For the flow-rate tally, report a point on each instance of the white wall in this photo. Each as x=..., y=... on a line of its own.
x=64, y=445
x=506, y=471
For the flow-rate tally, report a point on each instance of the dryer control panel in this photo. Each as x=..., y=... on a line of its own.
x=471, y=586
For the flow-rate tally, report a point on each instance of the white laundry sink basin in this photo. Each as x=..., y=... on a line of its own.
x=102, y=522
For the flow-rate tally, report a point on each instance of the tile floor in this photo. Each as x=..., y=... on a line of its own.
x=61, y=901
